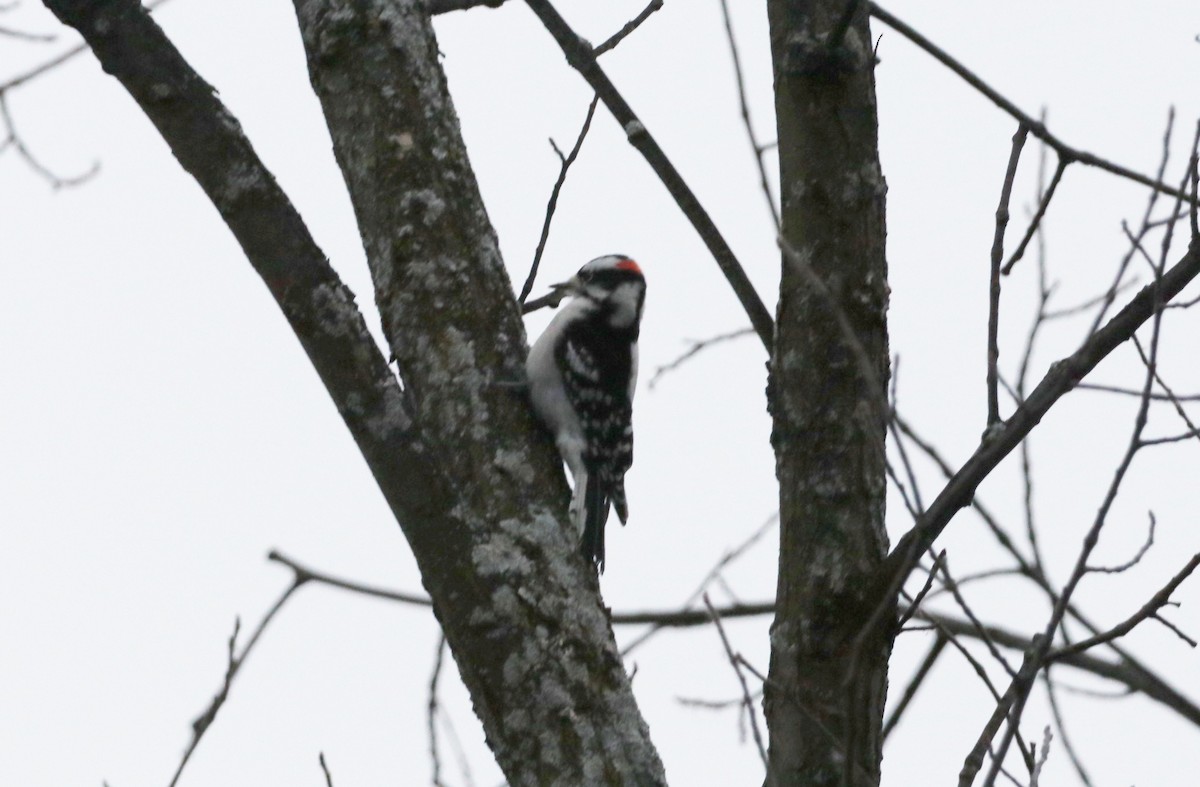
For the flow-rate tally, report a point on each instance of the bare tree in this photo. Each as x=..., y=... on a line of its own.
x=477, y=488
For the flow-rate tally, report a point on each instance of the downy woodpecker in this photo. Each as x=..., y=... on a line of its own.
x=582, y=373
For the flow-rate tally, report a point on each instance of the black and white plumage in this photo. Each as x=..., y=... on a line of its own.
x=582, y=372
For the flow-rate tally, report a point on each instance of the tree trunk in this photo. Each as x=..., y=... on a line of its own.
x=824, y=700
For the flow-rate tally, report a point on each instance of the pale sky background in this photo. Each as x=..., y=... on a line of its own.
x=161, y=430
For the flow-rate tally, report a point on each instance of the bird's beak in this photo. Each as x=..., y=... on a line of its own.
x=565, y=288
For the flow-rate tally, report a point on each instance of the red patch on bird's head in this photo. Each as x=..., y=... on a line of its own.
x=629, y=265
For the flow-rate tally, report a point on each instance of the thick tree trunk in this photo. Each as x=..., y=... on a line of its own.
x=475, y=485
x=824, y=701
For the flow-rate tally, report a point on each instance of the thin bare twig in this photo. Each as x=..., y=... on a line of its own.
x=629, y=27
x=917, y=505
x=696, y=702
x=948, y=632
x=435, y=756
x=1137, y=558
x=1036, y=222
x=1060, y=722
x=1045, y=291
x=1158, y=397
x=14, y=139
x=1167, y=390
x=952, y=586
x=747, y=700
x=23, y=35
x=726, y=559
x=1047, y=736
x=747, y=123
x=565, y=162
x=905, y=616
x=1070, y=311
x=305, y=574
x=978, y=576
x=697, y=346
x=325, y=770
x=1013, y=696
x=234, y=664
x=1174, y=629
x=1149, y=609
x=914, y=684
x=993, y=350
x=1125, y=672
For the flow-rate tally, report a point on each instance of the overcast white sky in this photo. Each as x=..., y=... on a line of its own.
x=161, y=430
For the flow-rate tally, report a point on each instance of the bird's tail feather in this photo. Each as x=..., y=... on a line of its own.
x=596, y=505
x=619, y=502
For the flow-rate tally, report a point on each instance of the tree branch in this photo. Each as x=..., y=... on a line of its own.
x=1065, y=152
x=234, y=664
x=1125, y=671
x=1149, y=609
x=581, y=57
x=1059, y=380
x=633, y=24
x=565, y=164
x=993, y=350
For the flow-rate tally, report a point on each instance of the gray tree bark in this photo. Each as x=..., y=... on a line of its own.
x=476, y=487
x=825, y=694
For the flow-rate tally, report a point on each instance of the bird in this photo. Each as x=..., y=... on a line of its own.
x=582, y=373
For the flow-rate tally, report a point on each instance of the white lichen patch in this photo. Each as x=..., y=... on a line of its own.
x=403, y=142
x=391, y=418
x=335, y=310
x=499, y=554
x=782, y=639
x=241, y=179
x=454, y=371
x=514, y=464
x=229, y=122
x=423, y=205
x=410, y=32
x=517, y=720
x=863, y=185
x=634, y=128
x=481, y=617
x=522, y=664
x=505, y=604
x=854, y=44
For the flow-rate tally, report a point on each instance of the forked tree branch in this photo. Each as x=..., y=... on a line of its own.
x=1000, y=441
